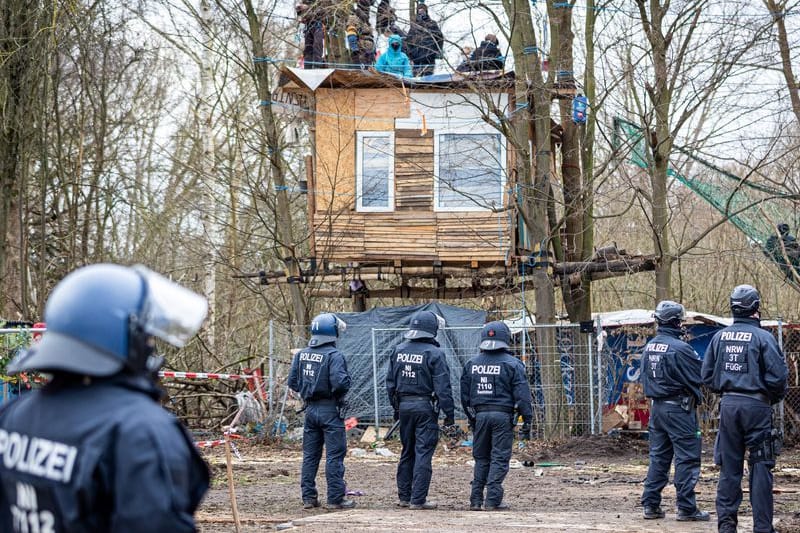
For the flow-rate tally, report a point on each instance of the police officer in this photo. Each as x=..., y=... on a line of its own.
x=493, y=386
x=319, y=374
x=744, y=364
x=418, y=384
x=671, y=378
x=93, y=450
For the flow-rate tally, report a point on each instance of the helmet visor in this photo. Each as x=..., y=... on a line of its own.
x=170, y=312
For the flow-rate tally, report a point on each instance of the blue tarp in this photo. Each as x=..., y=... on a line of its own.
x=389, y=324
x=624, y=346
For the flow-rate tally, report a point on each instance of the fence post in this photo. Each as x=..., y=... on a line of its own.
x=599, y=375
x=271, y=385
x=591, y=386
x=780, y=345
x=375, y=387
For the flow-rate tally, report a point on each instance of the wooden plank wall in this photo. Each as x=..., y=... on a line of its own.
x=413, y=232
x=481, y=236
x=376, y=109
x=413, y=170
x=336, y=150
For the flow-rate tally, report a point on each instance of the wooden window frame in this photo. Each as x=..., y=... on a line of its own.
x=360, y=136
x=503, y=170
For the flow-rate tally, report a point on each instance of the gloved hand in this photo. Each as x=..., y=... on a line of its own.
x=396, y=415
x=525, y=432
x=449, y=421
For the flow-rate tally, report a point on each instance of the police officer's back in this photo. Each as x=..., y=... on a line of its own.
x=92, y=450
x=744, y=364
x=671, y=378
x=418, y=385
x=494, y=387
x=319, y=374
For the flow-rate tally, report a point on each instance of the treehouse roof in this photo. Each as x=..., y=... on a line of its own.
x=331, y=78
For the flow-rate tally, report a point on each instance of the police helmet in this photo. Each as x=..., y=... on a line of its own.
x=669, y=312
x=424, y=325
x=101, y=319
x=325, y=328
x=745, y=300
x=783, y=228
x=495, y=336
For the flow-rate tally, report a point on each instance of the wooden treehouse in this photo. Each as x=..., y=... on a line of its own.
x=410, y=183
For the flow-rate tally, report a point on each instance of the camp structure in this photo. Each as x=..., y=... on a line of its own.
x=409, y=179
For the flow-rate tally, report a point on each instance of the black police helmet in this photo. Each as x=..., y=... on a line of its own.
x=783, y=228
x=424, y=325
x=495, y=336
x=669, y=312
x=745, y=300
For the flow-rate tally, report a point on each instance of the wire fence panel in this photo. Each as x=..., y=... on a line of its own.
x=562, y=377
x=574, y=384
x=789, y=409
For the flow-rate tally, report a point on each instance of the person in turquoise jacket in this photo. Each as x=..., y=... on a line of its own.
x=394, y=60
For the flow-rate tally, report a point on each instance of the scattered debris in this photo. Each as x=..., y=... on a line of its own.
x=358, y=452
x=369, y=434
x=384, y=452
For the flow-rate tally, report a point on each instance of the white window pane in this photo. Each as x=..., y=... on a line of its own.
x=376, y=161
x=470, y=171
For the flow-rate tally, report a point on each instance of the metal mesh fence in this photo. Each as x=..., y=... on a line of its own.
x=558, y=360
x=789, y=409
x=573, y=383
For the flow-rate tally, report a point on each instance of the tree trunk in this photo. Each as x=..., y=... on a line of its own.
x=778, y=11
x=660, y=146
x=576, y=297
x=283, y=218
x=533, y=109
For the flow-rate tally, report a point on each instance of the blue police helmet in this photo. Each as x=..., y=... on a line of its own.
x=495, y=336
x=669, y=312
x=745, y=300
x=424, y=325
x=99, y=316
x=325, y=328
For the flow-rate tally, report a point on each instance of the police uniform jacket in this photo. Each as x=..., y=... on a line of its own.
x=670, y=367
x=745, y=358
x=96, y=456
x=496, y=380
x=418, y=367
x=319, y=373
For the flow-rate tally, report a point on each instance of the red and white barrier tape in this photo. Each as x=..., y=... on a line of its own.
x=203, y=375
x=218, y=442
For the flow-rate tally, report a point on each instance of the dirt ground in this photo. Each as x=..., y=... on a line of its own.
x=586, y=484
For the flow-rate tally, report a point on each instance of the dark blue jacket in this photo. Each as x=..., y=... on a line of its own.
x=95, y=457
x=496, y=379
x=670, y=366
x=319, y=373
x=745, y=358
x=418, y=367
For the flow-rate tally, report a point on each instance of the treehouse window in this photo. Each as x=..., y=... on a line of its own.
x=375, y=171
x=469, y=171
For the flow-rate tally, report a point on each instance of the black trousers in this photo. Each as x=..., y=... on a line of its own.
x=419, y=434
x=673, y=434
x=743, y=423
x=493, y=439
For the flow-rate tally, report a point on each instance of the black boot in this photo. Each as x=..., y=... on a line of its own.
x=653, y=512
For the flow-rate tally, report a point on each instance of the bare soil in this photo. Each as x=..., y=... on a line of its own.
x=583, y=484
